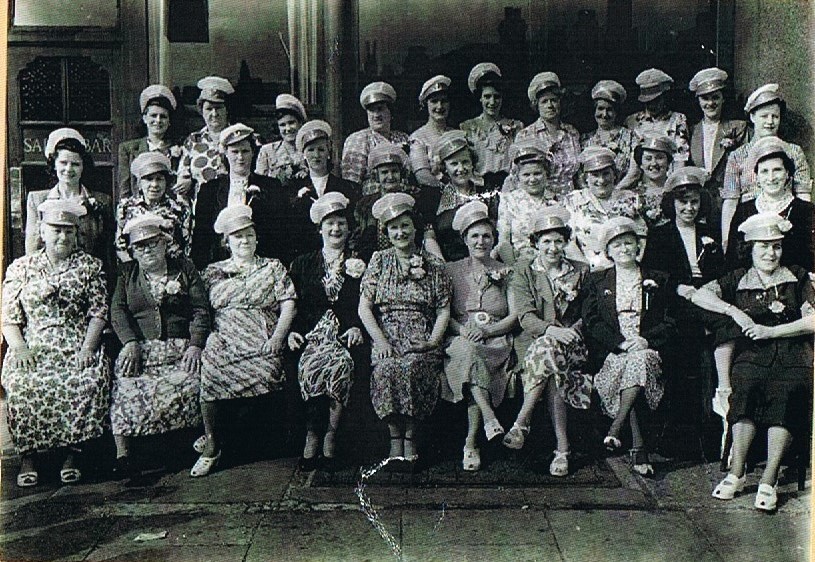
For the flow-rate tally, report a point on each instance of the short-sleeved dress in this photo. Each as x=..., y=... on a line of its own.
x=621, y=141
x=479, y=299
x=246, y=309
x=491, y=141
x=405, y=307
x=562, y=148
x=54, y=404
x=280, y=160
x=177, y=212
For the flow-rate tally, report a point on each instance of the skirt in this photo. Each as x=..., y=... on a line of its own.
x=326, y=367
x=547, y=358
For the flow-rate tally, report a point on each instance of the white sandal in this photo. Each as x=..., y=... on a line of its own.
x=766, y=498
x=493, y=429
x=204, y=465
x=721, y=402
x=729, y=487
x=472, y=460
x=516, y=436
x=200, y=444
x=560, y=464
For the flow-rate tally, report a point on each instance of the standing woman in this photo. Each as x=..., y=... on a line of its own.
x=490, y=133
x=282, y=159
x=157, y=104
x=434, y=96
x=559, y=140
x=327, y=326
x=628, y=328
x=252, y=301
x=653, y=157
x=55, y=373
x=404, y=305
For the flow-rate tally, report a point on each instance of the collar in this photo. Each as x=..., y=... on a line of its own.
x=751, y=281
x=55, y=194
x=566, y=267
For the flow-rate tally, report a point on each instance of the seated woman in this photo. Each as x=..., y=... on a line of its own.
x=653, y=156
x=423, y=140
x=628, y=327
x=404, y=305
x=326, y=326
x=281, y=159
x=479, y=352
x=160, y=313
x=772, y=306
x=544, y=294
x=153, y=175
x=55, y=374
x=252, y=300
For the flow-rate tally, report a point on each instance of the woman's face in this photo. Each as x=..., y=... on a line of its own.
x=601, y=182
x=480, y=240
x=656, y=105
x=317, y=154
x=712, y=104
x=156, y=119
x=772, y=176
x=401, y=232
x=459, y=168
x=623, y=249
x=438, y=107
x=68, y=166
x=766, y=120
x=59, y=240
x=605, y=114
x=532, y=177
x=151, y=253
x=655, y=165
x=239, y=156
x=288, y=125
x=215, y=116
x=549, y=106
x=242, y=243
x=390, y=176
x=551, y=247
x=153, y=186
x=379, y=116
x=491, y=100
x=334, y=230
x=766, y=255
x=687, y=208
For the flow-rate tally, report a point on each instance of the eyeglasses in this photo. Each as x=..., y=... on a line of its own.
x=151, y=244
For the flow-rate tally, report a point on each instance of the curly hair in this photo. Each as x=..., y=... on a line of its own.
x=71, y=145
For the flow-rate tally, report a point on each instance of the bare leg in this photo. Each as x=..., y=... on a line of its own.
x=410, y=434
x=558, y=413
x=627, y=398
x=209, y=412
x=482, y=399
x=530, y=401
x=778, y=441
x=397, y=437
x=473, y=423
x=723, y=357
x=743, y=433
x=334, y=413
x=123, y=443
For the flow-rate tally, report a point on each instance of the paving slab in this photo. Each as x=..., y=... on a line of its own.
x=587, y=498
x=480, y=553
x=147, y=552
x=464, y=497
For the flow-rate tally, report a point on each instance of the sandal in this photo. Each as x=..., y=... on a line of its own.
x=204, y=465
x=472, y=459
x=200, y=444
x=640, y=462
x=766, y=498
x=721, y=402
x=70, y=475
x=612, y=444
x=28, y=479
x=493, y=429
x=729, y=487
x=560, y=464
x=516, y=436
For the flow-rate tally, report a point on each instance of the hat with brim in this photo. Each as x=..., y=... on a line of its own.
x=686, y=178
x=311, y=131
x=653, y=83
x=617, y=226
x=391, y=206
x=543, y=82
x=658, y=144
x=232, y=219
x=768, y=93
x=765, y=227
x=553, y=217
x=469, y=214
x=610, y=91
x=214, y=89
x=764, y=147
x=287, y=103
x=144, y=227
x=376, y=92
x=148, y=163
x=596, y=158
x=707, y=81
x=330, y=203
x=60, y=212
x=61, y=134
x=526, y=153
x=386, y=153
x=480, y=71
x=234, y=134
x=436, y=85
x=449, y=143
x=156, y=91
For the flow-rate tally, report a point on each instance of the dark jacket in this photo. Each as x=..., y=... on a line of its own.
x=731, y=129
x=666, y=252
x=136, y=316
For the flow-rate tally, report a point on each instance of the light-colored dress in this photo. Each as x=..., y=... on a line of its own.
x=246, y=309
x=355, y=155
x=54, y=404
x=621, y=141
x=200, y=158
x=479, y=299
x=422, y=142
x=562, y=148
x=281, y=161
x=671, y=124
x=176, y=211
x=405, y=307
x=516, y=214
x=491, y=141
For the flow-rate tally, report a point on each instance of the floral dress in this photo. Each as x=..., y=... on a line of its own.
x=355, y=155
x=621, y=141
x=562, y=149
x=281, y=161
x=650, y=204
x=516, y=214
x=671, y=124
x=479, y=299
x=491, y=141
x=177, y=212
x=246, y=309
x=54, y=404
x=405, y=304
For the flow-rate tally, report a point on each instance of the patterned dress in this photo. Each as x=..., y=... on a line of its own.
x=246, y=309
x=491, y=141
x=422, y=141
x=355, y=155
x=452, y=244
x=479, y=299
x=409, y=383
x=562, y=148
x=740, y=180
x=280, y=160
x=200, y=158
x=669, y=124
x=516, y=214
x=174, y=210
x=620, y=141
x=54, y=404
x=650, y=202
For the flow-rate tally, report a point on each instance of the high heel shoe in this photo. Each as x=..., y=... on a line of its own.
x=472, y=459
x=493, y=429
x=516, y=436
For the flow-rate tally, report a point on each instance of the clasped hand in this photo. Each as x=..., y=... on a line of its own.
x=566, y=336
x=637, y=343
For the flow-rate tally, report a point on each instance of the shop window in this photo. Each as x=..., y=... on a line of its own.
x=188, y=21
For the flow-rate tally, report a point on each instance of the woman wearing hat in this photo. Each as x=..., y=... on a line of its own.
x=765, y=108
x=771, y=306
x=608, y=97
x=433, y=96
x=479, y=352
x=459, y=186
x=327, y=326
x=55, y=373
x=157, y=105
x=545, y=296
x=160, y=313
x=558, y=140
x=153, y=173
x=653, y=156
x=70, y=166
x=628, y=327
x=377, y=99
x=404, y=305
x=656, y=119
x=490, y=133
x=253, y=304
x=282, y=159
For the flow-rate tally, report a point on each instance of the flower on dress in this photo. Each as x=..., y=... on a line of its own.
x=730, y=138
x=251, y=192
x=481, y=318
x=175, y=151
x=707, y=241
x=354, y=267
x=649, y=285
x=784, y=225
x=173, y=287
x=92, y=204
x=303, y=192
x=496, y=276
x=776, y=307
x=607, y=292
x=416, y=270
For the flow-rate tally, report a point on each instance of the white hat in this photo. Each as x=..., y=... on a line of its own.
x=391, y=206
x=762, y=148
x=287, y=102
x=765, y=226
x=479, y=71
x=232, y=219
x=609, y=90
x=61, y=134
x=541, y=82
x=234, y=133
x=377, y=91
x=707, y=80
x=329, y=203
x=552, y=217
x=686, y=176
x=767, y=93
x=436, y=84
x=311, y=131
x=449, y=143
x=148, y=163
x=386, y=153
x=144, y=227
x=154, y=91
x=653, y=83
x=470, y=214
x=61, y=212
x=617, y=226
x=594, y=158
x=214, y=89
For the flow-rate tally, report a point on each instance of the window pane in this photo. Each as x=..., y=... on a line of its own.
x=62, y=13
x=88, y=91
x=41, y=90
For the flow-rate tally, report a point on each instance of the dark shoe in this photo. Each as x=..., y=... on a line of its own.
x=307, y=465
x=123, y=468
x=328, y=464
x=640, y=463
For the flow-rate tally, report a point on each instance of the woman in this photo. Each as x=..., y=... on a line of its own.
x=478, y=353
x=157, y=105
x=490, y=133
x=591, y=208
x=70, y=165
x=252, y=300
x=55, y=373
x=765, y=107
x=326, y=327
x=656, y=119
x=153, y=173
x=628, y=327
x=544, y=294
x=772, y=305
x=282, y=159
x=609, y=97
x=404, y=305
x=653, y=156
x=433, y=96
x=160, y=313
x=459, y=186
x=559, y=140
